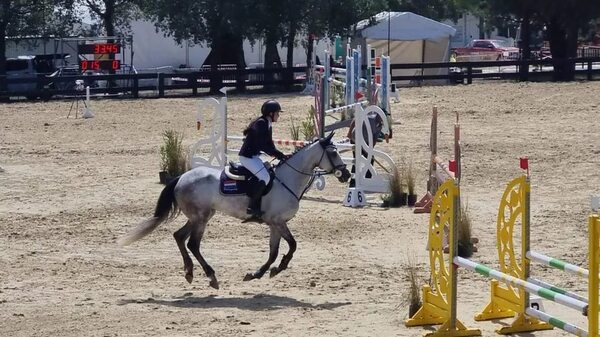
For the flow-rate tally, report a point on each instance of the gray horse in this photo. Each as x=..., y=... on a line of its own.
x=196, y=194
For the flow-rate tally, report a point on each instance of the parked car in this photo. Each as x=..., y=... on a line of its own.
x=60, y=72
x=29, y=67
x=22, y=67
x=487, y=50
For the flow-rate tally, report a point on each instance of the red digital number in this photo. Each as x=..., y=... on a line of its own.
x=106, y=48
x=84, y=65
x=116, y=64
x=96, y=65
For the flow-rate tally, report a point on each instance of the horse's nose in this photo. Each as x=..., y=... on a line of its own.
x=345, y=176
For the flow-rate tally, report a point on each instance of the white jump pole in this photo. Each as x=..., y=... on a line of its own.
x=529, y=287
x=568, y=327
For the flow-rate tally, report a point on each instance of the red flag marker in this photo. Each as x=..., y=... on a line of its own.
x=524, y=163
x=452, y=166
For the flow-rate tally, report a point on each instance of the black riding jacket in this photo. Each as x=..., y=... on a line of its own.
x=259, y=137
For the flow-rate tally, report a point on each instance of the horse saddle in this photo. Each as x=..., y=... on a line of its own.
x=236, y=179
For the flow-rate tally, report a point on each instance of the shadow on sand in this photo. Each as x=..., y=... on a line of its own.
x=258, y=302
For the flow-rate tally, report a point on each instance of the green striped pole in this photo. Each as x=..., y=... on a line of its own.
x=568, y=327
x=558, y=264
x=557, y=289
x=528, y=287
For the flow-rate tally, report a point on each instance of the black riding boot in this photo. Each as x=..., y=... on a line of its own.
x=254, y=205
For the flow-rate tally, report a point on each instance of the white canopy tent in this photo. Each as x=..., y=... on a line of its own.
x=407, y=38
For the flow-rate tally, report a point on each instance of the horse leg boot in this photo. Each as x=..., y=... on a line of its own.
x=285, y=260
x=254, y=205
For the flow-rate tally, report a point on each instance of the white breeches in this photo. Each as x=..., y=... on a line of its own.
x=256, y=166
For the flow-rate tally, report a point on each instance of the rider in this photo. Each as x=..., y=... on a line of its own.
x=259, y=137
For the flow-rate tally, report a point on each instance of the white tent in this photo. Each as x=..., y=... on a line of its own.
x=407, y=38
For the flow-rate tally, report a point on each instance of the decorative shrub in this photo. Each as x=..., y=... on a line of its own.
x=173, y=158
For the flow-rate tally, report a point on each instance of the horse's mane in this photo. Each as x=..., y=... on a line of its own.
x=298, y=149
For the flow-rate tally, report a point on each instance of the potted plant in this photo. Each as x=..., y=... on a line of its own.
x=173, y=160
x=410, y=185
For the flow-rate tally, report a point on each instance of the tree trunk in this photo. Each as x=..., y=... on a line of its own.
x=240, y=81
x=572, y=45
x=216, y=81
x=272, y=61
x=481, y=26
x=291, y=39
x=4, y=12
x=525, y=42
x=309, y=54
x=2, y=57
x=559, y=47
x=109, y=26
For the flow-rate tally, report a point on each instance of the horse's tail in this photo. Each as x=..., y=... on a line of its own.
x=166, y=209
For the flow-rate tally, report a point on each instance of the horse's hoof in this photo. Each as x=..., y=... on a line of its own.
x=214, y=284
x=249, y=277
x=274, y=272
x=189, y=277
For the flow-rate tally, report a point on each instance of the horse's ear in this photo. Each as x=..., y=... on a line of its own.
x=328, y=138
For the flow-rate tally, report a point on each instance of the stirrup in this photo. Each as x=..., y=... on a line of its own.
x=255, y=217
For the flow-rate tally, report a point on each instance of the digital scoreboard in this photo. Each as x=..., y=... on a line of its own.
x=99, y=48
x=103, y=56
x=99, y=65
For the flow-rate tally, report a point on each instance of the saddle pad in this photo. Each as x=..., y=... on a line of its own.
x=229, y=186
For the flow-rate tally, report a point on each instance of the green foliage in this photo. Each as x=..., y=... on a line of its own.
x=338, y=93
x=220, y=24
x=394, y=198
x=412, y=297
x=36, y=17
x=295, y=131
x=434, y=9
x=112, y=16
x=33, y=18
x=308, y=125
x=173, y=158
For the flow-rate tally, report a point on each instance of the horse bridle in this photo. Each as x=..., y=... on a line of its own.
x=337, y=170
x=328, y=150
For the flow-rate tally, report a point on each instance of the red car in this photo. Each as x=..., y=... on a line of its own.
x=487, y=50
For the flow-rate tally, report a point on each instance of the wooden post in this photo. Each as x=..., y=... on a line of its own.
x=135, y=90
x=469, y=74
x=432, y=183
x=161, y=85
x=194, y=83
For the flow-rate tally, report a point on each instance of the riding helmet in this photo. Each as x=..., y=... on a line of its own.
x=269, y=107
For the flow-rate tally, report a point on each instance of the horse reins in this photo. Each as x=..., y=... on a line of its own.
x=335, y=171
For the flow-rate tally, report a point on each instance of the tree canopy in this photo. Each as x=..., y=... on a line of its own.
x=23, y=18
x=223, y=25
